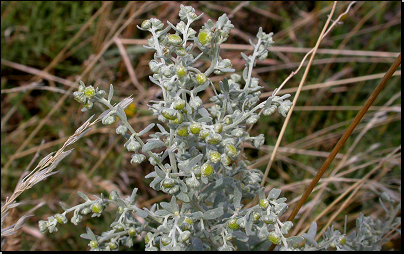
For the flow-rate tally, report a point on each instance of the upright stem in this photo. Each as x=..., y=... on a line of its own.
x=278, y=141
x=348, y=132
x=294, y=103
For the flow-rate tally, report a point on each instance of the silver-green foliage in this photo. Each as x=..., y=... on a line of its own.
x=206, y=170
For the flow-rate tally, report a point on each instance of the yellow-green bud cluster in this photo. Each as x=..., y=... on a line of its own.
x=218, y=128
x=179, y=104
x=256, y=217
x=207, y=169
x=146, y=24
x=205, y=37
x=93, y=244
x=122, y=129
x=96, y=208
x=165, y=240
x=264, y=203
x=148, y=237
x=230, y=150
x=232, y=223
x=204, y=133
x=195, y=128
x=192, y=182
x=169, y=113
x=61, y=218
x=181, y=71
x=214, y=156
x=184, y=236
x=200, y=78
x=182, y=131
x=342, y=240
x=112, y=245
x=108, y=120
x=226, y=160
x=89, y=91
x=168, y=183
x=274, y=238
x=174, y=39
x=214, y=138
x=85, y=95
x=179, y=119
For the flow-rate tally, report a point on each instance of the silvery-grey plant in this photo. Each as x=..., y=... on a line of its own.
x=206, y=170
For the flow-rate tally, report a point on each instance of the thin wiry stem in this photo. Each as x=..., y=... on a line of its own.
x=296, y=96
x=351, y=127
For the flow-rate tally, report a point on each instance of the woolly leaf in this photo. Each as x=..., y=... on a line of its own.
x=152, y=174
x=194, y=161
x=197, y=244
x=183, y=196
x=200, y=88
x=111, y=92
x=162, y=130
x=213, y=214
x=152, y=144
x=133, y=196
x=155, y=183
x=166, y=206
x=203, y=112
x=241, y=236
x=145, y=130
x=237, y=196
x=121, y=113
x=83, y=196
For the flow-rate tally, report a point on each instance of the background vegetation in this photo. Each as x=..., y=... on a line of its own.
x=64, y=38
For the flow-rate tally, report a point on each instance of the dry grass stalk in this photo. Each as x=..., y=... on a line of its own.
x=278, y=141
x=378, y=117
x=42, y=171
x=352, y=126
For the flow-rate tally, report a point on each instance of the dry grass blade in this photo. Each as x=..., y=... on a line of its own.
x=339, y=108
x=378, y=117
x=291, y=65
x=356, y=188
x=265, y=13
x=286, y=49
x=314, y=50
x=146, y=6
x=15, y=227
x=352, y=126
x=348, y=190
x=331, y=83
x=61, y=54
x=241, y=5
x=348, y=37
x=280, y=35
x=128, y=65
x=42, y=171
x=34, y=71
x=297, y=93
